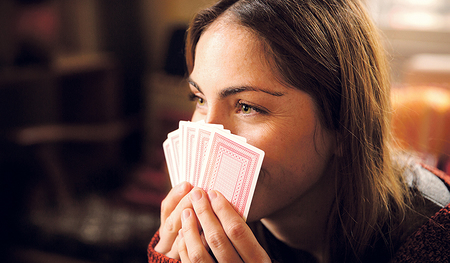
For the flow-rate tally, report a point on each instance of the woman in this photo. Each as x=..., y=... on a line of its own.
x=307, y=82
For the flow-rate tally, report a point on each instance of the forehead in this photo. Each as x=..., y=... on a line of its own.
x=226, y=47
x=225, y=35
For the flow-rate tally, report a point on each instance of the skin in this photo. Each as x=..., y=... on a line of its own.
x=233, y=85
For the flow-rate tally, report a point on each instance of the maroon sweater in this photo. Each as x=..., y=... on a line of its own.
x=428, y=243
x=431, y=242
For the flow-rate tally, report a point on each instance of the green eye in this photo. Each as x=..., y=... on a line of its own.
x=197, y=99
x=246, y=109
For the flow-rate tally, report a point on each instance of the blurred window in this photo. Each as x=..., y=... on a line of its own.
x=428, y=15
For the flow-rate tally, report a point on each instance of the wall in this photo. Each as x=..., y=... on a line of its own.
x=165, y=95
x=159, y=18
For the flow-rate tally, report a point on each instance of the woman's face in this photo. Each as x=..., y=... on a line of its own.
x=233, y=85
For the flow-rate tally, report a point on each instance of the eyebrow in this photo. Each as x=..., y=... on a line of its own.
x=235, y=90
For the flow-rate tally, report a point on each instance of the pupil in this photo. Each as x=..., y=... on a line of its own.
x=245, y=108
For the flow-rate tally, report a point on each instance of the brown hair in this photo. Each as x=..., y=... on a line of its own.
x=331, y=50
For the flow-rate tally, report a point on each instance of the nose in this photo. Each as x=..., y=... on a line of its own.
x=216, y=115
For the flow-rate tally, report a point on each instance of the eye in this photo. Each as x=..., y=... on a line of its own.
x=200, y=101
x=248, y=109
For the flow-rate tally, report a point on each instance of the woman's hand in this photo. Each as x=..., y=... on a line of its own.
x=226, y=233
x=171, y=208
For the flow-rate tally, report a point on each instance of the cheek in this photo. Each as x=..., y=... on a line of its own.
x=279, y=154
x=279, y=145
x=289, y=152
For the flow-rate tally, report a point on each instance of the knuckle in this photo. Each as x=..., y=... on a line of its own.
x=196, y=256
x=201, y=209
x=217, y=240
x=169, y=224
x=237, y=231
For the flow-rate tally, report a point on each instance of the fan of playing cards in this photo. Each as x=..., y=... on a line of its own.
x=210, y=157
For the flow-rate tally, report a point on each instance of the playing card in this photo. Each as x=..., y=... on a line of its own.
x=201, y=142
x=188, y=139
x=168, y=154
x=174, y=138
x=231, y=167
x=211, y=157
x=219, y=127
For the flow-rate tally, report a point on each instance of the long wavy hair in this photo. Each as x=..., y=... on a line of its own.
x=331, y=50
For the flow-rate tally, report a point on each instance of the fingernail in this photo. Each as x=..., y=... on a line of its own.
x=180, y=233
x=186, y=213
x=212, y=194
x=196, y=195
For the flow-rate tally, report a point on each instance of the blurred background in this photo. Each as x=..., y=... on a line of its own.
x=89, y=90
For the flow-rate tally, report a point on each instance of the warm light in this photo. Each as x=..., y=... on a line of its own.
x=421, y=119
x=430, y=3
x=402, y=18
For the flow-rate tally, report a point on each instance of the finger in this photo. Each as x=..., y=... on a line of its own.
x=182, y=250
x=202, y=236
x=173, y=253
x=171, y=208
x=215, y=236
x=195, y=250
x=237, y=230
x=173, y=198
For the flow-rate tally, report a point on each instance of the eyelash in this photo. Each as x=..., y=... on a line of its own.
x=193, y=97
x=239, y=104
